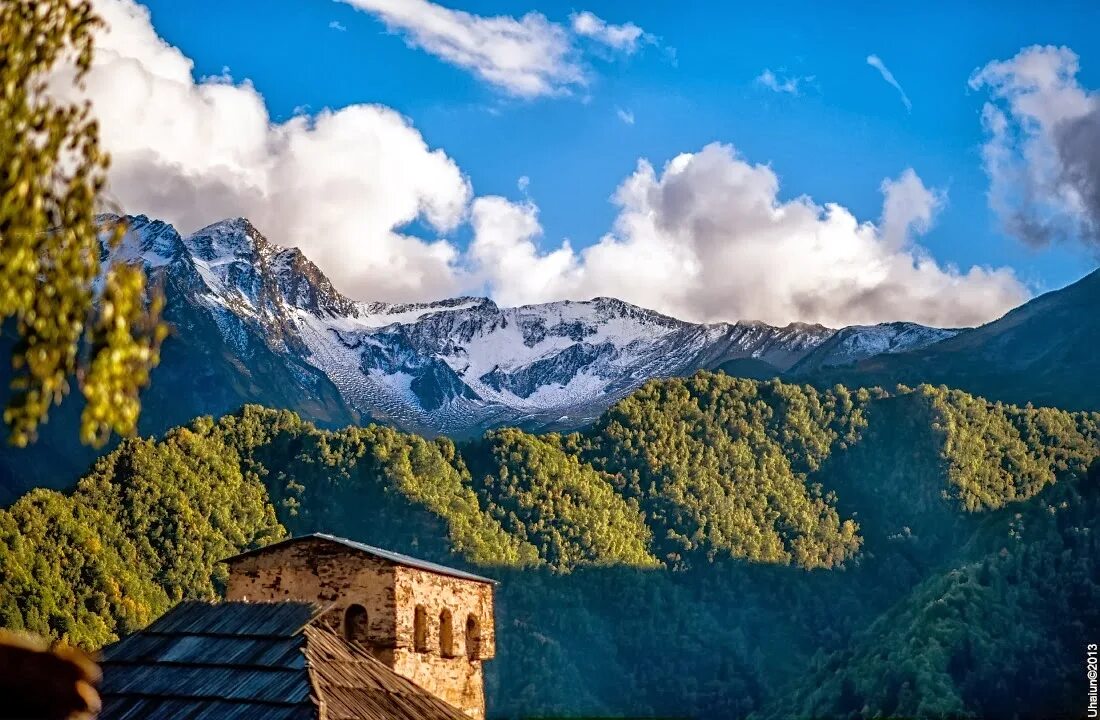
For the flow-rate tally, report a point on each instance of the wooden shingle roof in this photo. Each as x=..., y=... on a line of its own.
x=355, y=686
x=240, y=661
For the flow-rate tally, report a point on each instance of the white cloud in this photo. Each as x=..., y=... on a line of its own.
x=340, y=185
x=507, y=258
x=527, y=57
x=627, y=116
x=908, y=209
x=337, y=25
x=624, y=38
x=876, y=62
x=790, y=85
x=708, y=239
x=523, y=183
x=1042, y=152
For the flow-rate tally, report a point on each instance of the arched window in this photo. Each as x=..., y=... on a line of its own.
x=420, y=629
x=473, y=638
x=446, y=635
x=355, y=623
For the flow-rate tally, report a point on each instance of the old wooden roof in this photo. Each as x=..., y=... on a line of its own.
x=388, y=555
x=240, y=661
x=355, y=686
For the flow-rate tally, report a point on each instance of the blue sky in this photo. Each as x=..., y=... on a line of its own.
x=694, y=79
x=835, y=141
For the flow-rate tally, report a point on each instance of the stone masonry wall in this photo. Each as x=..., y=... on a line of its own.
x=458, y=679
x=330, y=575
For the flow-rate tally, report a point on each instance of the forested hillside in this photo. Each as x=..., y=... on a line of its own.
x=997, y=633
x=711, y=547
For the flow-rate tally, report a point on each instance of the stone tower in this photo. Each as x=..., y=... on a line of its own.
x=429, y=623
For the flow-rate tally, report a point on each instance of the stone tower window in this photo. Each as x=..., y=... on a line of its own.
x=420, y=629
x=473, y=638
x=355, y=623
x=446, y=634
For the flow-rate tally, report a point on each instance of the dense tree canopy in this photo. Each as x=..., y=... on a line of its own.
x=144, y=529
x=712, y=546
x=999, y=633
x=720, y=465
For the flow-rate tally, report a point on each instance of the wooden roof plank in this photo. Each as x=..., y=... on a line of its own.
x=245, y=661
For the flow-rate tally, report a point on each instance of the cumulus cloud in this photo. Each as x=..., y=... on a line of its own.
x=338, y=26
x=624, y=38
x=708, y=239
x=876, y=62
x=787, y=84
x=627, y=116
x=340, y=185
x=526, y=57
x=908, y=208
x=1042, y=151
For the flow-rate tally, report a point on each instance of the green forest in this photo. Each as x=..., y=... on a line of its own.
x=710, y=547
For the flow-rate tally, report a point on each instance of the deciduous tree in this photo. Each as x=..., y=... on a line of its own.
x=74, y=314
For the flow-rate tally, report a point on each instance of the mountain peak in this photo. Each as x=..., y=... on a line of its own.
x=809, y=327
x=151, y=242
x=228, y=239
x=230, y=225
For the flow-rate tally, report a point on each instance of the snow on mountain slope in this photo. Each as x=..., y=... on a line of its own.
x=456, y=366
x=470, y=364
x=858, y=342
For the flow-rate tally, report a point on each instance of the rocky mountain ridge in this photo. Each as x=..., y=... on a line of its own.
x=456, y=366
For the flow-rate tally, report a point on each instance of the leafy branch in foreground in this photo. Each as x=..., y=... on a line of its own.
x=72, y=317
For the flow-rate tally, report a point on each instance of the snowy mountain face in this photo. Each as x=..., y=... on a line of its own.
x=452, y=367
x=858, y=342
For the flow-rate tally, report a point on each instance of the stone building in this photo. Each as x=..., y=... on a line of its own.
x=428, y=623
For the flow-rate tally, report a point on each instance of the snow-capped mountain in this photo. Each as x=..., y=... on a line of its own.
x=1043, y=352
x=454, y=367
x=858, y=342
